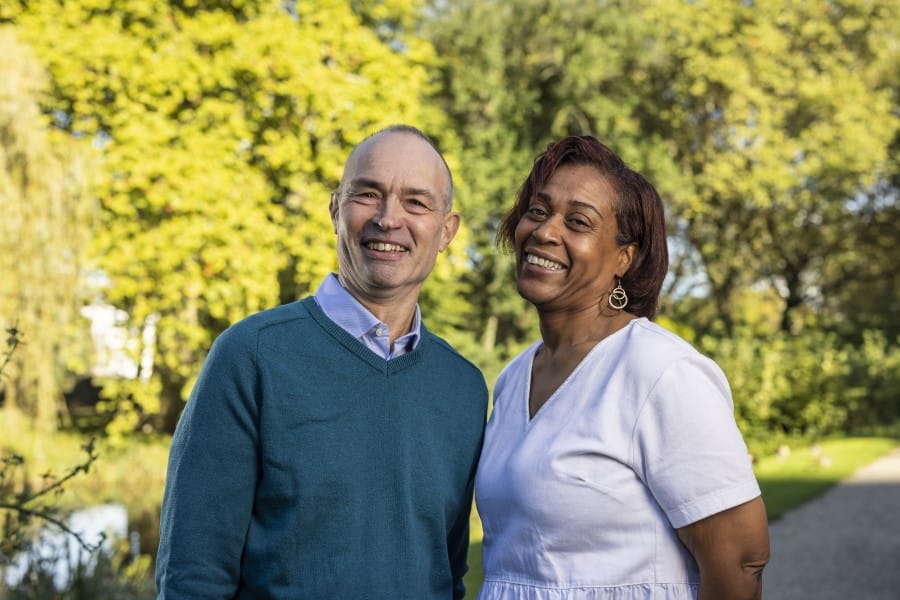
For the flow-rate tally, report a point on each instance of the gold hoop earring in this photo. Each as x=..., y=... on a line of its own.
x=618, y=299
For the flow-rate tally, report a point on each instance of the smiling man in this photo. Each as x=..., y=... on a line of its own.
x=328, y=449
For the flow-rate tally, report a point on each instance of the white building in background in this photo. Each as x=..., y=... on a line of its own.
x=120, y=350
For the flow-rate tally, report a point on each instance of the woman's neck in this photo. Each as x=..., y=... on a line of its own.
x=566, y=330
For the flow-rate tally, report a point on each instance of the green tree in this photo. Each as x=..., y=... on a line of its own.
x=516, y=74
x=47, y=212
x=870, y=298
x=223, y=126
x=782, y=117
x=762, y=124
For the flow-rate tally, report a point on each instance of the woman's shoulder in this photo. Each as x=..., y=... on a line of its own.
x=522, y=360
x=651, y=339
x=517, y=367
x=649, y=350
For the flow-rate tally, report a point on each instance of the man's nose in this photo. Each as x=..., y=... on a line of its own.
x=389, y=214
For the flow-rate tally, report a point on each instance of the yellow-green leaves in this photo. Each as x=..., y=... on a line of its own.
x=47, y=210
x=222, y=132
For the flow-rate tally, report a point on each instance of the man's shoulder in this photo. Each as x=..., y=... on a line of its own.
x=270, y=321
x=451, y=355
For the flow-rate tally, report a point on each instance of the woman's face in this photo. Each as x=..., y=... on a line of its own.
x=566, y=253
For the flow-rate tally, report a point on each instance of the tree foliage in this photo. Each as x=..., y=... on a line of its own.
x=782, y=116
x=514, y=76
x=48, y=212
x=223, y=128
x=771, y=131
x=765, y=126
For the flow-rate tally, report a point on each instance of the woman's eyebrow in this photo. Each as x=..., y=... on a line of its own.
x=576, y=203
x=585, y=206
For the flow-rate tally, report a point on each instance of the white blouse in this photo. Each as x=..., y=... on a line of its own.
x=582, y=501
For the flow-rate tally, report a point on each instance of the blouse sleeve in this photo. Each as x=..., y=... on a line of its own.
x=687, y=447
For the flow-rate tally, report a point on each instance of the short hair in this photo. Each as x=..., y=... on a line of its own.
x=401, y=128
x=638, y=208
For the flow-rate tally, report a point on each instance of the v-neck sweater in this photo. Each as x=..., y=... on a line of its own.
x=306, y=466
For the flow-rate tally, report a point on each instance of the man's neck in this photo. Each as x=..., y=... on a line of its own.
x=397, y=311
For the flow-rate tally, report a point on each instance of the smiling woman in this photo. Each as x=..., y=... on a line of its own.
x=612, y=466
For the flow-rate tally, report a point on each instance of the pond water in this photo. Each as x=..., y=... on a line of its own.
x=59, y=553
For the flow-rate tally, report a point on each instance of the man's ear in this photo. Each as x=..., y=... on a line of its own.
x=449, y=229
x=333, y=209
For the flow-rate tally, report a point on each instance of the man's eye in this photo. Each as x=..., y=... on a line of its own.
x=416, y=205
x=364, y=195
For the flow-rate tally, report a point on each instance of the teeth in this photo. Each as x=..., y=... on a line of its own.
x=543, y=262
x=382, y=247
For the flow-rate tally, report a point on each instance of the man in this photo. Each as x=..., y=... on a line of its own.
x=328, y=449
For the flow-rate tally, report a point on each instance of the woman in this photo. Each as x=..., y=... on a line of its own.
x=612, y=466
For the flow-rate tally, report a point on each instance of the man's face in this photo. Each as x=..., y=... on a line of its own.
x=392, y=217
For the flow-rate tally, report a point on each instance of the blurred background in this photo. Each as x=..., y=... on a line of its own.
x=165, y=169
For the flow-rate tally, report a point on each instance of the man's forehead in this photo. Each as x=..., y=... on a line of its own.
x=389, y=144
x=391, y=156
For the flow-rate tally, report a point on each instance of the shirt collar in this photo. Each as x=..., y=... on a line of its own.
x=340, y=306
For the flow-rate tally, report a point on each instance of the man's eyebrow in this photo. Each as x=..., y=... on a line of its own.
x=367, y=183
x=418, y=192
x=377, y=185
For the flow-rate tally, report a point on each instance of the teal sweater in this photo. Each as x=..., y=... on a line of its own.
x=306, y=466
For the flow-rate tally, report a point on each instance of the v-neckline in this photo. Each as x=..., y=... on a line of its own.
x=529, y=419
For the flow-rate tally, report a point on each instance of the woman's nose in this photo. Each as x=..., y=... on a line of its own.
x=546, y=232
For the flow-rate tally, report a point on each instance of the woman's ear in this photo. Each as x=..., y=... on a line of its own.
x=626, y=257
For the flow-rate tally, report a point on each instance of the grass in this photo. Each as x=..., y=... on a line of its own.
x=787, y=479
x=792, y=477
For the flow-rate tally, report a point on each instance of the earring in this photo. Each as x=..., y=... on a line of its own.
x=618, y=299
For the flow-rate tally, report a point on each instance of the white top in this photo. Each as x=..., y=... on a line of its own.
x=582, y=501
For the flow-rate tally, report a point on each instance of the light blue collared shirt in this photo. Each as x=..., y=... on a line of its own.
x=354, y=318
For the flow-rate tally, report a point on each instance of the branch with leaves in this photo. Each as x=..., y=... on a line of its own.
x=13, y=339
x=20, y=502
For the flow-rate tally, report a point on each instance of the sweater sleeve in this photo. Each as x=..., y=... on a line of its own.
x=458, y=537
x=458, y=544
x=211, y=478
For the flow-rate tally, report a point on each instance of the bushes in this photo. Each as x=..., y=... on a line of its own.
x=812, y=383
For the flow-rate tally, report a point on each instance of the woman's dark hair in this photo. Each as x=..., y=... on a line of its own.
x=638, y=208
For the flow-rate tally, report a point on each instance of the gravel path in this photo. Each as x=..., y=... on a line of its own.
x=843, y=545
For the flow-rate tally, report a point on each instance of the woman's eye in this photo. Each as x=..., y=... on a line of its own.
x=537, y=212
